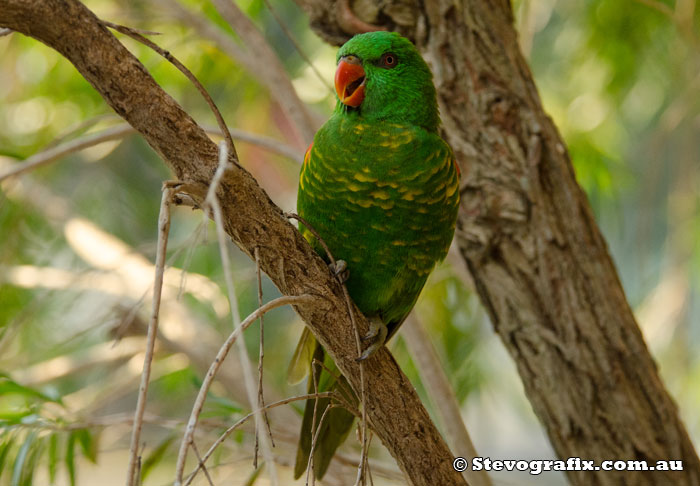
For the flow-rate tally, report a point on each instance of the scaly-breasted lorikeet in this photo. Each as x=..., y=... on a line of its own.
x=381, y=188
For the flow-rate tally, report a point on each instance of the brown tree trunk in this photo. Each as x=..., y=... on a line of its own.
x=394, y=410
x=527, y=234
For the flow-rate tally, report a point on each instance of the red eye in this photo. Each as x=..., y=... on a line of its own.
x=388, y=60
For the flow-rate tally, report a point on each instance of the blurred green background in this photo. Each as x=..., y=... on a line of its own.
x=620, y=78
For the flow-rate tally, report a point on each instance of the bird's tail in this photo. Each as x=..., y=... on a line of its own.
x=326, y=423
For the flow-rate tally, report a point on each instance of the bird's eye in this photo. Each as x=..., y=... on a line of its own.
x=388, y=60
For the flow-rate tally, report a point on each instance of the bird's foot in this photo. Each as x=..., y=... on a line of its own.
x=186, y=193
x=376, y=335
x=340, y=270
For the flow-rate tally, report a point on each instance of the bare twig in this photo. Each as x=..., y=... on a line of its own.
x=261, y=357
x=163, y=229
x=53, y=153
x=247, y=417
x=335, y=374
x=213, y=203
x=214, y=368
x=82, y=126
x=201, y=464
x=269, y=143
x=4, y=32
x=314, y=438
x=134, y=34
x=47, y=156
x=358, y=342
x=310, y=463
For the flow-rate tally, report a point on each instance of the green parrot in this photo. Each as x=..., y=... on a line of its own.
x=381, y=188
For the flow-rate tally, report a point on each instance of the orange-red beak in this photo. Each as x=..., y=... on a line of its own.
x=350, y=81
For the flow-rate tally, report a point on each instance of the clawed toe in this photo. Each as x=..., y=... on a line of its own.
x=376, y=335
x=371, y=334
x=340, y=270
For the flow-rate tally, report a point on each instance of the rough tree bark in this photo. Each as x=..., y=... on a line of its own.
x=527, y=234
x=251, y=219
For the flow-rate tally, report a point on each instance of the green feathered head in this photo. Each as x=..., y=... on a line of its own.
x=381, y=76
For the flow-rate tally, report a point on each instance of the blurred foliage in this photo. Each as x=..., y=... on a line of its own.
x=620, y=78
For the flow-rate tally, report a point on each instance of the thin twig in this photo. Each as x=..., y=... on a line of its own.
x=310, y=460
x=314, y=438
x=269, y=143
x=214, y=368
x=244, y=419
x=4, y=32
x=358, y=343
x=367, y=468
x=212, y=203
x=163, y=230
x=341, y=386
x=201, y=464
x=134, y=34
x=261, y=357
x=81, y=126
x=55, y=153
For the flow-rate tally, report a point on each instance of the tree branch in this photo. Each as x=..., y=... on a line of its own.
x=527, y=233
x=251, y=219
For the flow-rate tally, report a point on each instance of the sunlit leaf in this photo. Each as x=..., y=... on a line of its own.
x=52, y=457
x=8, y=385
x=155, y=457
x=70, y=458
x=5, y=445
x=88, y=443
x=14, y=417
x=254, y=475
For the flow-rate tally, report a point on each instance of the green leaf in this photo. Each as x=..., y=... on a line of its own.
x=22, y=454
x=53, y=457
x=220, y=406
x=88, y=444
x=301, y=360
x=5, y=447
x=155, y=457
x=12, y=153
x=8, y=385
x=70, y=458
x=14, y=417
x=254, y=475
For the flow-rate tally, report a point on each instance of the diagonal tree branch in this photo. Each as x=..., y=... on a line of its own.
x=251, y=219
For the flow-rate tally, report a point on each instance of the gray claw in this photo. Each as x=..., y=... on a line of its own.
x=340, y=270
x=376, y=334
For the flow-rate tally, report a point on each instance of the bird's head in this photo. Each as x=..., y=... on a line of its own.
x=381, y=76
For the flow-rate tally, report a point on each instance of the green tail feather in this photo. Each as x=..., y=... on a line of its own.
x=336, y=424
